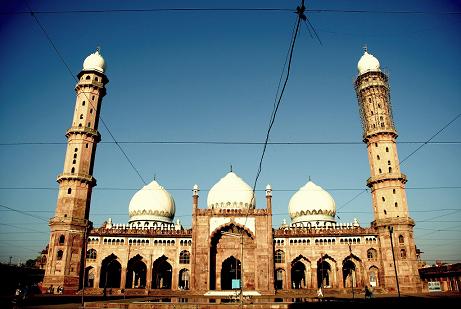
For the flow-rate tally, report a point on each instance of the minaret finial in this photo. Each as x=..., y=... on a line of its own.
x=365, y=48
x=98, y=48
x=155, y=177
x=231, y=168
x=309, y=177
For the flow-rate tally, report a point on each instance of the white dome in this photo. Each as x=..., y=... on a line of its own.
x=368, y=63
x=312, y=204
x=231, y=192
x=94, y=62
x=152, y=203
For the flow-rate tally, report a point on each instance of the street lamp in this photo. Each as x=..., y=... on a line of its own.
x=391, y=230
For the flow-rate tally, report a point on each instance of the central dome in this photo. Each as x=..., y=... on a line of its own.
x=312, y=204
x=231, y=192
x=152, y=203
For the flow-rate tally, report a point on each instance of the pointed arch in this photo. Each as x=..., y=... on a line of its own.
x=184, y=279
x=231, y=227
x=111, y=271
x=136, y=273
x=161, y=273
x=230, y=270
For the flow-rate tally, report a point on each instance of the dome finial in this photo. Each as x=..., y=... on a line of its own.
x=155, y=176
x=98, y=49
x=365, y=48
x=231, y=167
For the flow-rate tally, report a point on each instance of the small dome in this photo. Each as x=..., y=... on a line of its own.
x=94, y=62
x=312, y=204
x=152, y=203
x=368, y=63
x=231, y=192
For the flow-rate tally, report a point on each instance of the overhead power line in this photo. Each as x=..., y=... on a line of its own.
x=154, y=10
x=89, y=101
x=229, y=143
x=24, y=213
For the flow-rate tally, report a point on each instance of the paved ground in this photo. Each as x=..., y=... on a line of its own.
x=438, y=299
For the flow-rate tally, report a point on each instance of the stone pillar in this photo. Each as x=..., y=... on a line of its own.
x=149, y=274
x=123, y=277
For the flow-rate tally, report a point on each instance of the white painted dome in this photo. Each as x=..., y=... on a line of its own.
x=231, y=192
x=152, y=203
x=312, y=204
x=94, y=62
x=368, y=63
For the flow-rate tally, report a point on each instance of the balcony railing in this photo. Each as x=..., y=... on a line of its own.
x=386, y=176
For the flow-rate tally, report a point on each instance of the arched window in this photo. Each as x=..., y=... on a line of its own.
x=91, y=254
x=61, y=239
x=87, y=77
x=387, y=149
x=75, y=156
x=396, y=205
x=72, y=170
x=184, y=257
x=377, y=157
x=380, y=171
x=83, y=103
x=390, y=169
x=401, y=239
x=59, y=255
x=81, y=116
x=372, y=254
x=69, y=191
x=403, y=253
x=279, y=256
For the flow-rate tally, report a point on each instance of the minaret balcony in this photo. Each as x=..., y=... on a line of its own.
x=84, y=130
x=77, y=176
x=385, y=177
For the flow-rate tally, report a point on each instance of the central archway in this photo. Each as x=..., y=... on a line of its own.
x=323, y=274
x=231, y=269
x=162, y=273
x=349, y=274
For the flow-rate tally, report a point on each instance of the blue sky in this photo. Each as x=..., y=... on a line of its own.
x=212, y=76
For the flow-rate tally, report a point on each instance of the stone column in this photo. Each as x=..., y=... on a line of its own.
x=149, y=274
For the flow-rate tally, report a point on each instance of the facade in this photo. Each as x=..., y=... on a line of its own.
x=231, y=241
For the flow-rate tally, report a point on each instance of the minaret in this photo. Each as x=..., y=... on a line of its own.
x=69, y=225
x=387, y=183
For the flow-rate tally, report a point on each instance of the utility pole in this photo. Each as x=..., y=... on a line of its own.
x=391, y=230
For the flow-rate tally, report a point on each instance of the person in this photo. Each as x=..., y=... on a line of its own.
x=320, y=293
x=368, y=292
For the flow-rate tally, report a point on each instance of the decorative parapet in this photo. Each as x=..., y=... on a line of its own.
x=393, y=221
x=140, y=232
x=313, y=232
x=232, y=212
x=387, y=176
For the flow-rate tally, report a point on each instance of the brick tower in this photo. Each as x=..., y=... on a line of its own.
x=387, y=183
x=69, y=225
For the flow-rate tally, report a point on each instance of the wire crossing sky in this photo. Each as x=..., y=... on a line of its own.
x=191, y=88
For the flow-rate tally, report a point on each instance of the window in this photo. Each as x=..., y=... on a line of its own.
x=393, y=191
x=184, y=257
x=388, y=162
x=91, y=254
x=86, y=145
x=59, y=255
x=279, y=256
x=376, y=144
x=380, y=171
x=387, y=149
x=396, y=205
x=372, y=254
x=371, y=113
x=401, y=239
x=383, y=198
x=377, y=157
x=61, y=239
x=91, y=111
x=74, y=161
x=96, y=79
x=76, y=149
x=79, y=125
x=81, y=116
x=87, y=77
x=92, y=98
x=89, y=124
x=72, y=170
x=83, y=103
x=390, y=169
x=385, y=212
x=403, y=253
x=75, y=156
x=69, y=191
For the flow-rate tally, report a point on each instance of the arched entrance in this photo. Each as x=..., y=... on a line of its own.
x=184, y=279
x=111, y=271
x=298, y=275
x=89, y=277
x=373, y=276
x=231, y=270
x=349, y=274
x=279, y=278
x=323, y=274
x=161, y=274
x=136, y=273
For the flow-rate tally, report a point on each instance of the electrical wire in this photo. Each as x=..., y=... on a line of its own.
x=84, y=93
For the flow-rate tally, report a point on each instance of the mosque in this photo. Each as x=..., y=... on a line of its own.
x=232, y=243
